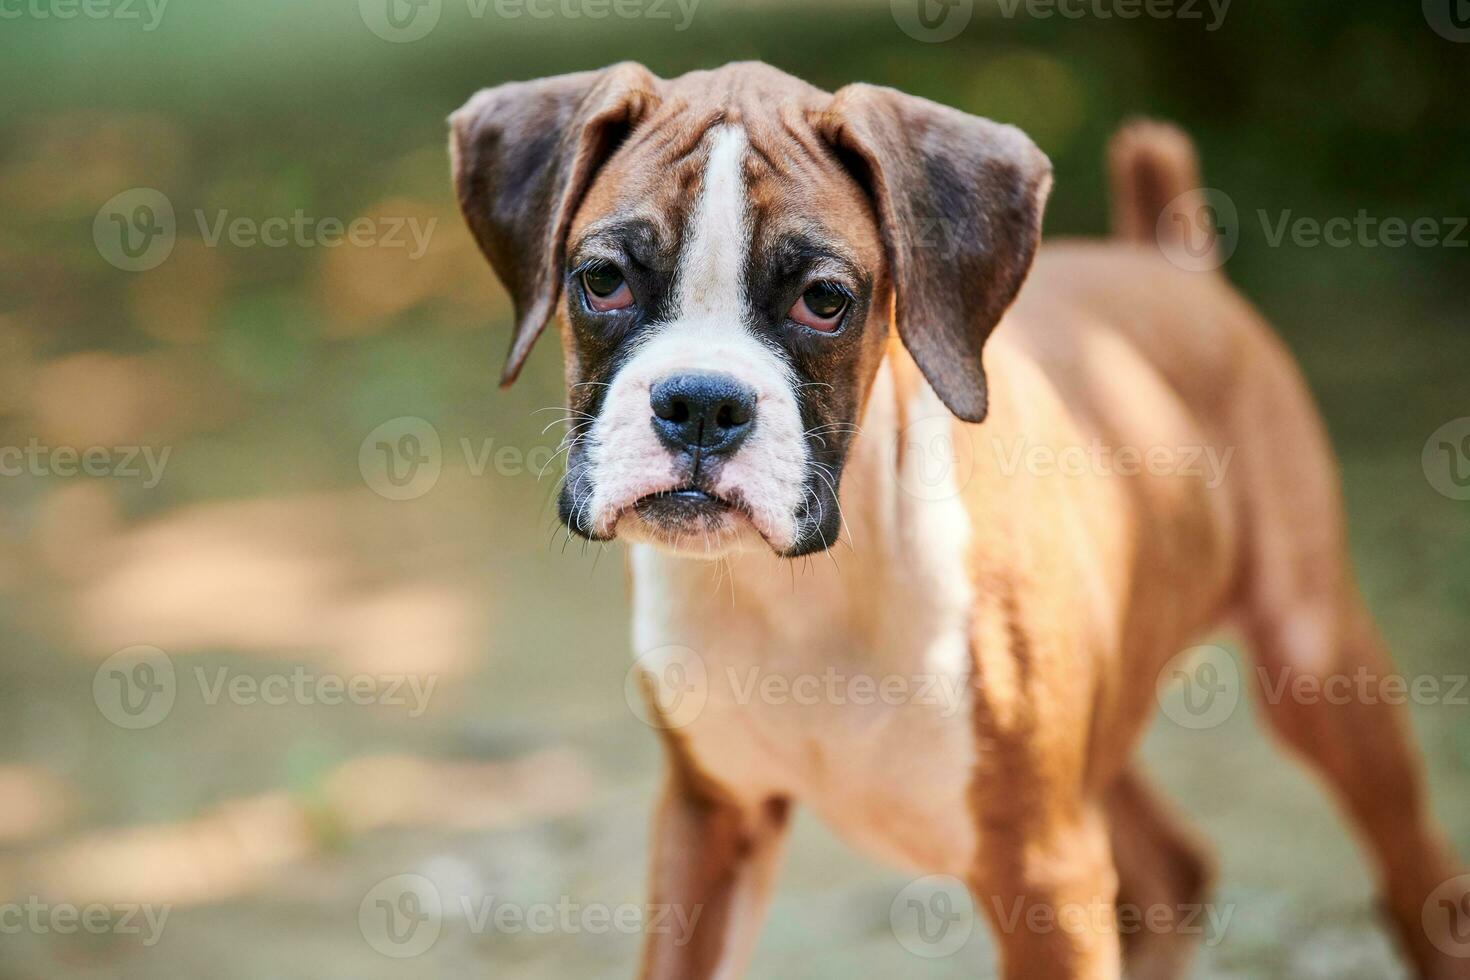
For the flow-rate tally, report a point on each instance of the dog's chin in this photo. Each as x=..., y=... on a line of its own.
x=699, y=522
x=690, y=523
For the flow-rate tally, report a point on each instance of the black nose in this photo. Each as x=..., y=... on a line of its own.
x=705, y=413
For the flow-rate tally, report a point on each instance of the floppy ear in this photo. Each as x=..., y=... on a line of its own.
x=523, y=155
x=959, y=202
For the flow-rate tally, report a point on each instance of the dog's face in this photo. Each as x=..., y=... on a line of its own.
x=719, y=339
x=729, y=253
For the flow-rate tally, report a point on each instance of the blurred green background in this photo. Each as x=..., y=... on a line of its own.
x=267, y=545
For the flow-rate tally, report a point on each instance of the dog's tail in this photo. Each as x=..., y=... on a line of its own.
x=1156, y=188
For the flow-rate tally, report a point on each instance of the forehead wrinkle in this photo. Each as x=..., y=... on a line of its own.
x=663, y=127
x=761, y=162
x=652, y=130
x=788, y=149
x=670, y=135
x=814, y=151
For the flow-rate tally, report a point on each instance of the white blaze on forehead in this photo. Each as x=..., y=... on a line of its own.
x=708, y=329
x=712, y=265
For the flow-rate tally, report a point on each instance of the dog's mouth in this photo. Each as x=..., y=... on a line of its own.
x=683, y=508
x=689, y=518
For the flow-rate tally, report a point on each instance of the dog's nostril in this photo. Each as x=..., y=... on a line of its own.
x=671, y=406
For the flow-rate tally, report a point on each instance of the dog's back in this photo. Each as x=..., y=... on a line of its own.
x=1148, y=349
x=1190, y=417
x=1154, y=302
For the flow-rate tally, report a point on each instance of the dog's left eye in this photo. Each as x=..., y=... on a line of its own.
x=821, y=306
x=606, y=288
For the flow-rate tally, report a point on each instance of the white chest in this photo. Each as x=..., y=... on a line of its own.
x=844, y=685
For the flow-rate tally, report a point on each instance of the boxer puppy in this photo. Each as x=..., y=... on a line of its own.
x=773, y=302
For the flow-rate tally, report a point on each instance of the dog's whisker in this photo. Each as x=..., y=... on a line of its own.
x=822, y=471
x=565, y=409
x=581, y=423
x=567, y=446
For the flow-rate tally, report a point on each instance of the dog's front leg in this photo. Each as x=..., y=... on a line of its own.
x=714, y=863
x=1049, y=888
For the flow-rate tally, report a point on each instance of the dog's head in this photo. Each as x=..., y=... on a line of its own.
x=728, y=252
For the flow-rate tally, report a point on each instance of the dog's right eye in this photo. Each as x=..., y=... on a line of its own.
x=606, y=288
